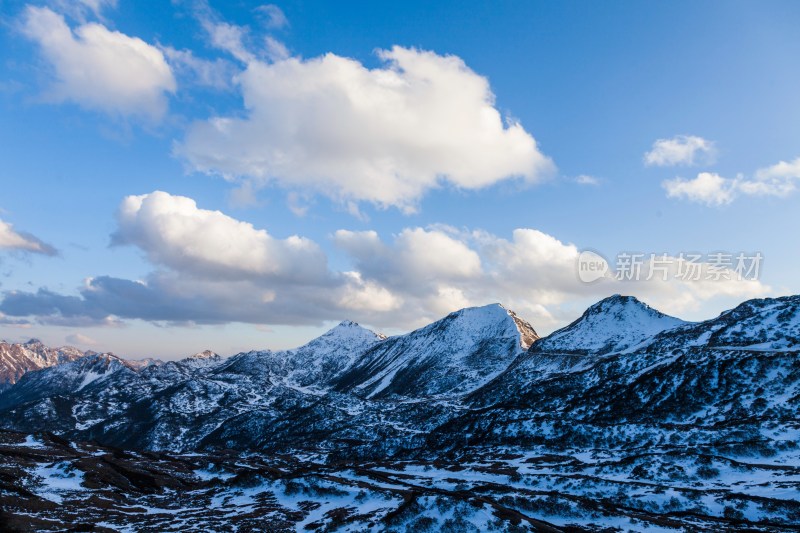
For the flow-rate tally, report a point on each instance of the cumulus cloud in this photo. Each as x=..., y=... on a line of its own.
x=686, y=150
x=20, y=323
x=707, y=188
x=532, y=272
x=100, y=69
x=416, y=254
x=712, y=189
x=21, y=241
x=172, y=231
x=211, y=269
x=230, y=38
x=385, y=135
x=776, y=180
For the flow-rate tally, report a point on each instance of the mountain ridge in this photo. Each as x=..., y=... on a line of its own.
x=624, y=418
x=350, y=379
x=18, y=358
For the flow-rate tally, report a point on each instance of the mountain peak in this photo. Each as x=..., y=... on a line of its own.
x=611, y=325
x=484, y=314
x=205, y=354
x=476, y=318
x=347, y=329
x=616, y=301
x=453, y=355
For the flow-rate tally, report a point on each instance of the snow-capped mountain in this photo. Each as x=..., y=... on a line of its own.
x=197, y=363
x=139, y=364
x=207, y=400
x=611, y=325
x=720, y=379
x=312, y=365
x=17, y=359
x=621, y=359
x=661, y=421
x=768, y=324
x=455, y=355
x=67, y=378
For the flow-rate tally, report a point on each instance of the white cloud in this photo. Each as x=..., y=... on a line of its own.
x=174, y=232
x=777, y=180
x=97, y=6
x=101, y=69
x=712, y=189
x=20, y=241
x=230, y=38
x=275, y=49
x=533, y=273
x=585, y=179
x=80, y=10
x=217, y=73
x=363, y=295
x=416, y=255
x=707, y=188
x=687, y=150
x=275, y=18
x=384, y=135
x=211, y=268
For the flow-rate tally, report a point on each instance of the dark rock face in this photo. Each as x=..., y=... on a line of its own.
x=627, y=418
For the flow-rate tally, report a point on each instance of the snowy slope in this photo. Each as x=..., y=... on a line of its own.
x=611, y=325
x=760, y=324
x=455, y=355
x=311, y=365
x=320, y=360
x=69, y=378
x=172, y=370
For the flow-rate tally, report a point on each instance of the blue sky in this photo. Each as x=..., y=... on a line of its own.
x=382, y=163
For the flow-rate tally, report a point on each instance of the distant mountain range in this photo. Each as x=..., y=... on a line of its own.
x=628, y=398
x=17, y=359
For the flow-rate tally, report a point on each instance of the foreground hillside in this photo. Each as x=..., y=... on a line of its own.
x=625, y=418
x=51, y=485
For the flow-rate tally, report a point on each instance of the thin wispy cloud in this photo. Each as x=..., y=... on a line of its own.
x=81, y=339
x=586, y=179
x=681, y=150
x=274, y=17
x=11, y=239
